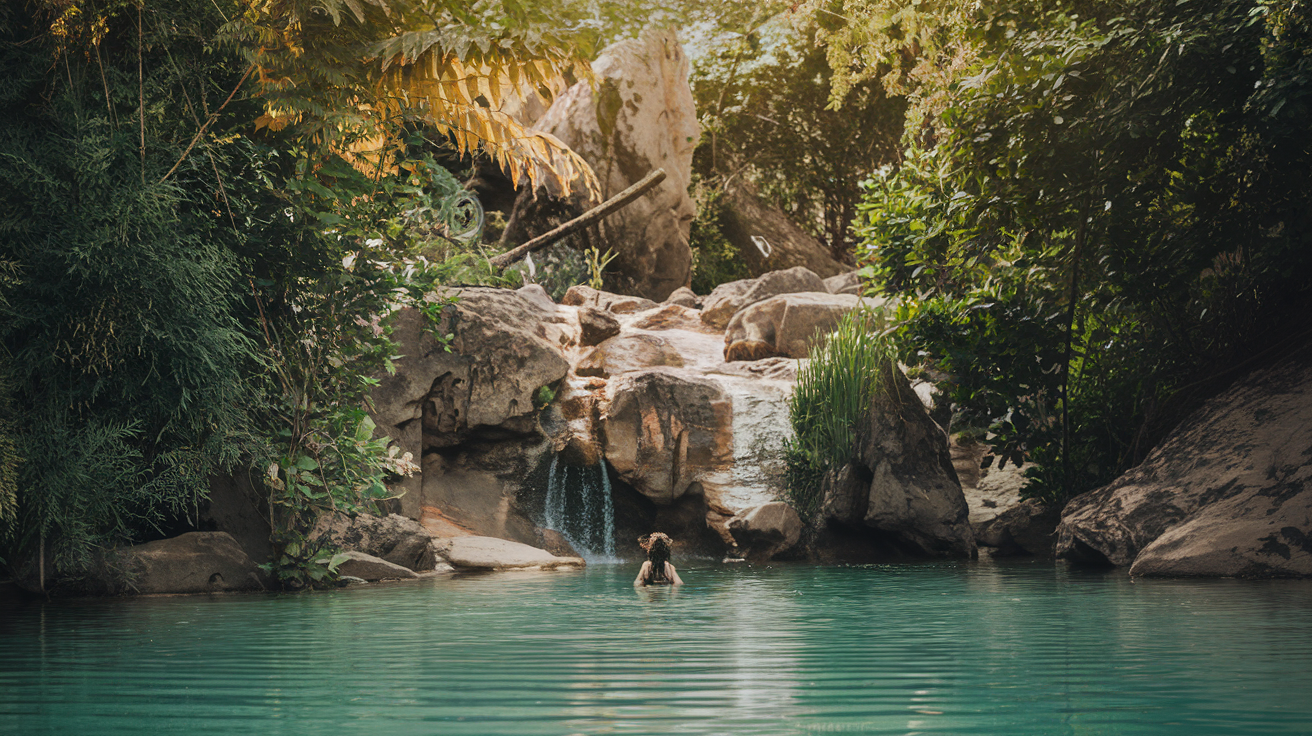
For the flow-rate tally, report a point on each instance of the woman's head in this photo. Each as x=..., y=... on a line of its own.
x=656, y=545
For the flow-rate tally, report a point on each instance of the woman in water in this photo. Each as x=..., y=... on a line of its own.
x=657, y=570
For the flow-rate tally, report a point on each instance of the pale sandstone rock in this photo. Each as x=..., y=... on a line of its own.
x=490, y=553
x=728, y=299
x=788, y=325
x=638, y=116
x=684, y=297
x=586, y=296
x=628, y=353
x=1225, y=494
x=368, y=567
x=663, y=428
x=502, y=353
x=844, y=283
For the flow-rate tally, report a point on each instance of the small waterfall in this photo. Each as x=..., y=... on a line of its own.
x=580, y=507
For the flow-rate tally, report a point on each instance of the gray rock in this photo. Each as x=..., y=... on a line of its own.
x=538, y=297
x=638, y=115
x=684, y=297
x=503, y=352
x=766, y=531
x=845, y=283
x=596, y=326
x=1225, y=494
x=394, y=538
x=726, y=300
x=490, y=553
x=368, y=567
x=911, y=492
x=196, y=562
x=1028, y=528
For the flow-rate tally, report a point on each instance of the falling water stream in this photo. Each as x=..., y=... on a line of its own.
x=579, y=506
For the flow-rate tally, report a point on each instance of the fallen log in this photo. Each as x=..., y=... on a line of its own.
x=584, y=220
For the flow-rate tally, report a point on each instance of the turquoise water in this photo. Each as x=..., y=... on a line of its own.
x=951, y=648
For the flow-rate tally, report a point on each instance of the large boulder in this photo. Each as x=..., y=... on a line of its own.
x=505, y=348
x=393, y=538
x=1028, y=528
x=1225, y=494
x=766, y=531
x=720, y=306
x=901, y=484
x=786, y=326
x=664, y=429
x=196, y=562
x=767, y=239
x=490, y=553
x=637, y=116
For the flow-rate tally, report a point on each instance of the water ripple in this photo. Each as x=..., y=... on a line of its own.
x=977, y=649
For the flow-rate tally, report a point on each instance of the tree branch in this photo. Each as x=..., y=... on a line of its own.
x=584, y=220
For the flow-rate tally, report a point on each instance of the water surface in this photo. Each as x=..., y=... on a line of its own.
x=947, y=648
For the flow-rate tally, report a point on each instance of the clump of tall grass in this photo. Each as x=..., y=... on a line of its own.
x=833, y=395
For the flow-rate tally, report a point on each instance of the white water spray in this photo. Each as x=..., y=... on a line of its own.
x=580, y=507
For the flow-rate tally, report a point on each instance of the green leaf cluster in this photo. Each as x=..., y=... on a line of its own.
x=1112, y=225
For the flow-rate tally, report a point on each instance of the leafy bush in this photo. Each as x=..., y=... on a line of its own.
x=715, y=260
x=832, y=397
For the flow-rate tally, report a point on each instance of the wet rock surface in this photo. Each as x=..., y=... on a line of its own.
x=766, y=531
x=1226, y=494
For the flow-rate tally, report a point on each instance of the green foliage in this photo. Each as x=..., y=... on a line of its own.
x=715, y=260
x=833, y=395
x=126, y=357
x=597, y=262
x=762, y=97
x=1115, y=215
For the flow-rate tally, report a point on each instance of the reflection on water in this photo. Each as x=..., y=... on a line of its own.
x=949, y=648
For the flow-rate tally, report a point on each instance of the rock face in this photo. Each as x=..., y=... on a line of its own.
x=505, y=349
x=727, y=299
x=1226, y=494
x=1027, y=529
x=786, y=326
x=394, y=538
x=489, y=553
x=766, y=531
x=639, y=116
x=196, y=562
x=768, y=240
x=663, y=428
x=689, y=441
x=901, y=484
